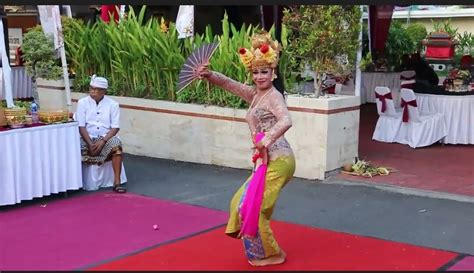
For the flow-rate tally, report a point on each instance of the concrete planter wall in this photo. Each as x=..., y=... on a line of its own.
x=52, y=94
x=324, y=135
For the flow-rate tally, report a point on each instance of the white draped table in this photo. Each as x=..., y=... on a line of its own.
x=22, y=86
x=39, y=161
x=369, y=80
x=458, y=113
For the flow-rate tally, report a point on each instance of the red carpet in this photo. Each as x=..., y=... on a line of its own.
x=72, y=233
x=438, y=168
x=307, y=249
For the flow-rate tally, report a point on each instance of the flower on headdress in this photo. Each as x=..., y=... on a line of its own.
x=269, y=55
x=264, y=48
x=246, y=57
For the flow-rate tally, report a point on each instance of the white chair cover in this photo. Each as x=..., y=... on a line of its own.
x=95, y=177
x=420, y=129
x=407, y=79
x=389, y=121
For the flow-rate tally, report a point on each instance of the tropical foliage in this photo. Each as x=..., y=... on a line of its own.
x=466, y=42
x=143, y=58
x=444, y=26
x=399, y=43
x=402, y=39
x=417, y=33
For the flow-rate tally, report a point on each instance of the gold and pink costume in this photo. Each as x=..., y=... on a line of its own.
x=268, y=114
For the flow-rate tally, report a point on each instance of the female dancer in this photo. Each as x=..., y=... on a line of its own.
x=267, y=116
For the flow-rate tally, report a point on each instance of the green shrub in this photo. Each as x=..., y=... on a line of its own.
x=40, y=57
x=399, y=42
x=325, y=38
x=417, y=33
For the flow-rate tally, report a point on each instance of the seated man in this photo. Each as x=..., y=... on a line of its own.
x=98, y=118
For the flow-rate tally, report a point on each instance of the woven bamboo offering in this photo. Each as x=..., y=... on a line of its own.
x=15, y=117
x=53, y=116
x=3, y=121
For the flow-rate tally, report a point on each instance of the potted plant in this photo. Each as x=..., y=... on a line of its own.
x=466, y=42
x=40, y=58
x=323, y=38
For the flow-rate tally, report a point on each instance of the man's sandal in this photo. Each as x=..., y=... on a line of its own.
x=119, y=189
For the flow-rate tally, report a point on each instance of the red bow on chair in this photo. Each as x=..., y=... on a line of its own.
x=382, y=99
x=405, y=104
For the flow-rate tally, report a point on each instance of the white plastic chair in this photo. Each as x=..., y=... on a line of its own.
x=95, y=176
x=389, y=121
x=420, y=129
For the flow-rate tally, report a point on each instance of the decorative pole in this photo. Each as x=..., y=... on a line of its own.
x=358, y=78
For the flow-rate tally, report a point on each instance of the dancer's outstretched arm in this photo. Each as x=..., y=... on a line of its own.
x=244, y=91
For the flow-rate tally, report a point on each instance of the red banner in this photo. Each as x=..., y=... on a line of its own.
x=380, y=17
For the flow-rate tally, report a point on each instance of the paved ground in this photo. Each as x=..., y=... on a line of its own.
x=336, y=205
x=436, y=168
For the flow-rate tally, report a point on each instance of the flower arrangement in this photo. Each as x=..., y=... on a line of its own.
x=460, y=74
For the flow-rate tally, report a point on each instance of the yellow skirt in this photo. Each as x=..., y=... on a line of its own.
x=264, y=245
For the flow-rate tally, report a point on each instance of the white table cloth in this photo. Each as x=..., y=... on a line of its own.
x=458, y=113
x=39, y=161
x=369, y=80
x=22, y=86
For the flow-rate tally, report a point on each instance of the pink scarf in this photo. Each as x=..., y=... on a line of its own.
x=250, y=208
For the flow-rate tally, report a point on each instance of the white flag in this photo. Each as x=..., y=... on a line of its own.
x=6, y=80
x=51, y=23
x=185, y=21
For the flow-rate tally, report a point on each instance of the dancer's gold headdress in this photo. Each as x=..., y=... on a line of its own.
x=264, y=52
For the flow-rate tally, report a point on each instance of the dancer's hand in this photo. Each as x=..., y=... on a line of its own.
x=259, y=145
x=203, y=71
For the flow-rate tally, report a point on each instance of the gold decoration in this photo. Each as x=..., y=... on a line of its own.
x=264, y=52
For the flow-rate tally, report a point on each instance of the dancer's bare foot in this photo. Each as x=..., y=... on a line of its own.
x=275, y=259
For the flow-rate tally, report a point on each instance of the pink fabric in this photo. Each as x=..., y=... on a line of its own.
x=250, y=209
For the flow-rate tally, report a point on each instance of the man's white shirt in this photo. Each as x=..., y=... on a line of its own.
x=100, y=118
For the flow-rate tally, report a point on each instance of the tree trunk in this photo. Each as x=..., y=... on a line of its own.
x=318, y=82
x=34, y=86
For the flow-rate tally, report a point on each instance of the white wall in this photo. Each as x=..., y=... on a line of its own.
x=324, y=135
